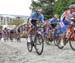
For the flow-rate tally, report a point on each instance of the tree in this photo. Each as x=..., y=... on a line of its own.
x=46, y=6
x=51, y=7
x=0, y=27
x=17, y=21
x=61, y=5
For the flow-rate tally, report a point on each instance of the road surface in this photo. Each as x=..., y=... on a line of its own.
x=16, y=52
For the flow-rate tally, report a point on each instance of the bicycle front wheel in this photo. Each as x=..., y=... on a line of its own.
x=72, y=44
x=39, y=44
x=30, y=46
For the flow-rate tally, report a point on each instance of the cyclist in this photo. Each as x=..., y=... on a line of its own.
x=37, y=15
x=0, y=34
x=66, y=21
x=5, y=33
x=45, y=26
x=53, y=23
x=18, y=30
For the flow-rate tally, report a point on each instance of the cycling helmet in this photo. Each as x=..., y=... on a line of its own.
x=38, y=9
x=72, y=6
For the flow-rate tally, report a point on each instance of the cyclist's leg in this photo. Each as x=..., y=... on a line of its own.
x=50, y=34
x=68, y=31
x=64, y=30
x=52, y=31
x=29, y=33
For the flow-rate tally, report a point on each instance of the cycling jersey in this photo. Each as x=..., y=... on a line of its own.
x=63, y=21
x=53, y=22
x=35, y=16
x=69, y=15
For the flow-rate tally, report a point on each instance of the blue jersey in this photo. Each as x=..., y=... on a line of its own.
x=35, y=16
x=53, y=20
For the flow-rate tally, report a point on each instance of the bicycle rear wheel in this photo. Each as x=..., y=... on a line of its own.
x=56, y=39
x=39, y=44
x=47, y=40
x=61, y=43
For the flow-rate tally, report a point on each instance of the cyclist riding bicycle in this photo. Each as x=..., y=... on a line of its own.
x=52, y=24
x=37, y=15
x=66, y=21
x=53, y=21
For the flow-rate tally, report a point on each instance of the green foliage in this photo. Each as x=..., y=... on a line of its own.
x=61, y=5
x=46, y=7
x=0, y=27
x=51, y=7
x=17, y=22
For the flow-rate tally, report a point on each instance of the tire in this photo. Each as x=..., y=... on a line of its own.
x=64, y=43
x=56, y=39
x=48, y=42
x=29, y=46
x=56, y=42
x=41, y=42
x=46, y=39
x=72, y=44
x=60, y=47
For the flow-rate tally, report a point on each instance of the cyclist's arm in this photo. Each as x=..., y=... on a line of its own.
x=42, y=18
x=65, y=16
x=30, y=19
x=67, y=19
x=30, y=24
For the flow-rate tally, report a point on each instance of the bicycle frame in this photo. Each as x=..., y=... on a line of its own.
x=72, y=33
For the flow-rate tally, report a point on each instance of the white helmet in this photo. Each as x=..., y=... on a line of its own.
x=72, y=6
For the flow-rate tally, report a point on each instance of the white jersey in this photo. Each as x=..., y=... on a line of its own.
x=66, y=13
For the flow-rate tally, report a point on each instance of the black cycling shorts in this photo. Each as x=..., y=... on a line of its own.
x=33, y=22
x=53, y=25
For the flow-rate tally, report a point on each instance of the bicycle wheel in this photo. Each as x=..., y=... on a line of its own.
x=39, y=44
x=56, y=39
x=62, y=44
x=72, y=44
x=29, y=46
x=56, y=42
x=47, y=40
